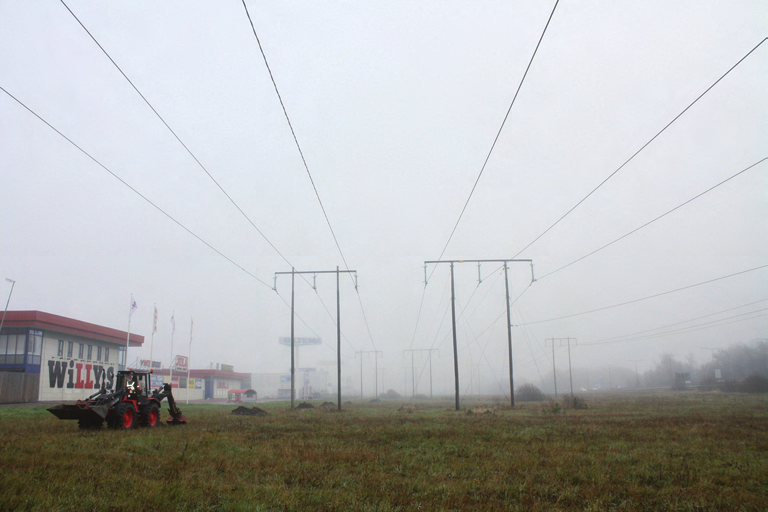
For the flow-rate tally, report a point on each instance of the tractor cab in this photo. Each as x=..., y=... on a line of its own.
x=135, y=382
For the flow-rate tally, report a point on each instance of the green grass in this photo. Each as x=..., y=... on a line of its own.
x=683, y=451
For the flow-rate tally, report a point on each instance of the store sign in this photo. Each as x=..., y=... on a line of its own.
x=227, y=368
x=146, y=363
x=79, y=375
x=300, y=341
x=180, y=363
x=174, y=382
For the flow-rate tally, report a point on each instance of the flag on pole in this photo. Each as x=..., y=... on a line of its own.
x=134, y=307
x=173, y=324
x=154, y=324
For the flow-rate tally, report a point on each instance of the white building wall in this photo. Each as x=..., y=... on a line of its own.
x=221, y=386
x=69, y=377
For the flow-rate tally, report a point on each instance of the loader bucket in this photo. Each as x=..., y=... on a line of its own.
x=79, y=411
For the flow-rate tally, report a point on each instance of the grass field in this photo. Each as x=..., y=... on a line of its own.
x=665, y=451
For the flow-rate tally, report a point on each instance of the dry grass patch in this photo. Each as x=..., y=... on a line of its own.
x=684, y=451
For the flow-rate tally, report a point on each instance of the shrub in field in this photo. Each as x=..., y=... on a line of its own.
x=529, y=393
x=391, y=393
x=551, y=407
x=752, y=384
x=756, y=384
x=574, y=402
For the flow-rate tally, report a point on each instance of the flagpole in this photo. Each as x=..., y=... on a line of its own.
x=173, y=330
x=152, y=339
x=189, y=356
x=128, y=338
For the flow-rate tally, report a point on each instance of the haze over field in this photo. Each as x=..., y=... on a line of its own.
x=396, y=107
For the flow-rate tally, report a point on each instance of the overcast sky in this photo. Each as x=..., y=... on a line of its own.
x=395, y=106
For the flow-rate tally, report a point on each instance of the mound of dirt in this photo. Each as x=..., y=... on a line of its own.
x=253, y=411
x=328, y=404
x=347, y=403
x=305, y=405
x=375, y=401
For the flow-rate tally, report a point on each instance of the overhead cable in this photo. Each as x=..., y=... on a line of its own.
x=654, y=220
x=649, y=296
x=498, y=133
x=306, y=167
x=692, y=328
x=121, y=180
x=176, y=136
x=641, y=148
x=632, y=335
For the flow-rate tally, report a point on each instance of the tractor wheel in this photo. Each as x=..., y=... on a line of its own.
x=125, y=416
x=89, y=424
x=150, y=416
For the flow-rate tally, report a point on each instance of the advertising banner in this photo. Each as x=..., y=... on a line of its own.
x=174, y=382
x=198, y=383
x=156, y=381
x=227, y=368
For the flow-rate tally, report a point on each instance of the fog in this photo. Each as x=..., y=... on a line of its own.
x=395, y=107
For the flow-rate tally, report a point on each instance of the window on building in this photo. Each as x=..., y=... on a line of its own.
x=80, y=351
x=60, y=352
x=98, y=353
x=13, y=345
x=90, y=352
x=106, y=355
x=70, y=348
x=35, y=347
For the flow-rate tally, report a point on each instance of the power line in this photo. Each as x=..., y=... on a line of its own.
x=642, y=148
x=692, y=328
x=306, y=167
x=498, y=134
x=619, y=338
x=654, y=220
x=150, y=202
x=145, y=198
x=648, y=297
x=199, y=163
x=293, y=133
x=174, y=134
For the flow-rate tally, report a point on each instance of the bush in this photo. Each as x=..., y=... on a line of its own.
x=752, y=384
x=756, y=384
x=574, y=402
x=551, y=407
x=391, y=393
x=529, y=393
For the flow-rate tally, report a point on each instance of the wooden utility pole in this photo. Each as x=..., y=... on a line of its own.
x=293, y=273
x=413, y=378
x=570, y=373
x=377, y=354
x=453, y=320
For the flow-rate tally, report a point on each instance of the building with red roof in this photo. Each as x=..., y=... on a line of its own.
x=51, y=357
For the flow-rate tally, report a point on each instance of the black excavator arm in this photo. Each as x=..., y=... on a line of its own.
x=176, y=416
